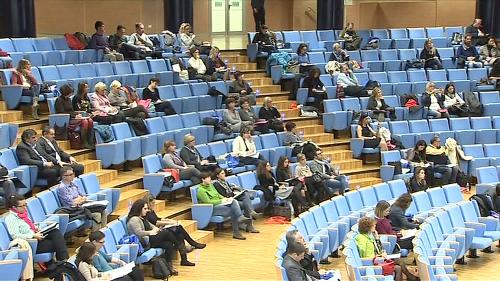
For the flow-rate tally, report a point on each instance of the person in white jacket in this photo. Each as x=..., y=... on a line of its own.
x=244, y=147
x=348, y=81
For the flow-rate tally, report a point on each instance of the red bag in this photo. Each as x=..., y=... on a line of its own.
x=73, y=42
x=145, y=103
x=174, y=173
x=387, y=266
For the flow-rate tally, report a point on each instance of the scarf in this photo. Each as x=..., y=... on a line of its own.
x=25, y=218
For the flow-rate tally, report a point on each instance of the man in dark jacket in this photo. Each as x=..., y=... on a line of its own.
x=48, y=145
x=265, y=39
x=100, y=42
x=259, y=13
x=28, y=153
x=479, y=35
x=295, y=252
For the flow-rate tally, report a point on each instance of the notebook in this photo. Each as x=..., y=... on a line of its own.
x=48, y=227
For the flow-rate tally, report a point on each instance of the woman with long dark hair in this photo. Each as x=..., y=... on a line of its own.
x=418, y=182
x=300, y=196
x=453, y=102
x=397, y=213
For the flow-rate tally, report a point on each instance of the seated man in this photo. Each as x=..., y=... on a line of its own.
x=437, y=154
x=28, y=153
x=140, y=39
x=265, y=39
x=118, y=42
x=99, y=42
x=332, y=178
x=467, y=54
x=309, y=264
x=476, y=30
x=50, y=150
x=104, y=262
x=291, y=262
x=70, y=196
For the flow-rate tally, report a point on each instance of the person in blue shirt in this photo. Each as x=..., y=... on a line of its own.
x=104, y=262
x=467, y=54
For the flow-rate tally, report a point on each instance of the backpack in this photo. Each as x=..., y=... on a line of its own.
x=372, y=43
x=484, y=203
x=132, y=239
x=73, y=42
x=281, y=58
x=160, y=268
x=456, y=38
x=416, y=63
x=371, y=84
x=472, y=102
x=105, y=133
x=308, y=111
x=61, y=270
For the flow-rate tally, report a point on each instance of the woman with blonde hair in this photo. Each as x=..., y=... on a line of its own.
x=24, y=77
x=377, y=105
x=187, y=39
x=430, y=56
x=433, y=99
x=102, y=106
x=270, y=113
x=216, y=66
x=118, y=98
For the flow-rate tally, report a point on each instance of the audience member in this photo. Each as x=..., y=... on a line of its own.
x=291, y=136
x=437, y=154
x=433, y=99
x=118, y=42
x=397, y=213
x=316, y=88
x=453, y=102
x=467, y=55
x=24, y=77
x=291, y=262
x=351, y=38
x=20, y=226
x=118, y=98
x=103, y=108
x=302, y=55
x=338, y=54
x=149, y=235
x=248, y=117
x=370, y=136
x=382, y=210
x=216, y=66
x=418, y=157
x=300, y=195
x=265, y=40
x=332, y=178
x=28, y=153
x=79, y=119
x=430, y=56
x=174, y=161
x=455, y=153
x=309, y=264
x=186, y=37
x=50, y=150
x=70, y=196
x=84, y=262
x=8, y=186
x=192, y=157
x=270, y=113
x=105, y=262
x=377, y=105
x=196, y=66
x=151, y=93
x=81, y=101
x=244, y=147
x=227, y=207
x=349, y=82
x=489, y=52
x=242, y=88
x=231, y=115
x=244, y=200
x=140, y=39
x=417, y=182
x=272, y=188
x=259, y=13
x=99, y=42
x=478, y=33
x=315, y=183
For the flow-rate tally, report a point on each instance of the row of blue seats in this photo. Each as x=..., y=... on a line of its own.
x=488, y=177
x=8, y=132
x=12, y=263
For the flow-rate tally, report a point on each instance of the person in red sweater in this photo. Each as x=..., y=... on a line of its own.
x=384, y=225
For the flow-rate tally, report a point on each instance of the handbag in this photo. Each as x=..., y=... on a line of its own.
x=174, y=173
x=132, y=239
x=387, y=266
x=232, y=161
x=282, y=211
x=160, y=268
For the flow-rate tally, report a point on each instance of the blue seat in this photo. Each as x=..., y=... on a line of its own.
x=38, y=215
x=331, y=244
x=401, y=132
x=311, y=38
x=161, y=70
x=385, y=42
x=398, y=187
x=387, y=171
x=372, y=60
x=417, y=36
x=463, y=132
x=91, y=185
x=356, y=203
x=368, y=196
x=479, y=159
x=438, y=37
x=449, y=30
x=470, y=213
x=453, y=193
x=335, y=118
x=123, y=69
x=140, y=67
x=437, y=197
x=441, y=128
x=400, y=38
x=322, y=222
x=487, y=179
x=479, y=240
x=391, y=60
x=8, y=133
x=154, y=178
x=484, y=130
x=447, y=57
x=407, y=54
x=51, y=73
x=423, y=204
x=202, y=213
x=400, y=81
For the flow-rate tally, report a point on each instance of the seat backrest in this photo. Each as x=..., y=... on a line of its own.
x=190, y=120
x=461, y=123
x=418, y=32
x=24, y=44
x=418, y=126
x=399, y=127
x=291, y=36
x=121, y=67
x=139, y=66
x=478, y=123
x=182, y=90
x=316, y=57
x=446, y=52
x=380, y=33
x=86, y=70
x=379, y=76
x=6, y=45
x=390, y=54
x=369, y=55
x=351, y=104
x=433, y=32
x=157, y=65
x=437, y=75
x=453, y=193
x=407, y=54
x=248, y=180
x=489, y=97
x=217, y=148
x=341, y=205
x=66, y=71
x=329, y=210
x=474, y=150
x=50, y=73
x=326, y=35
x=398, y=187
x=422, y=201
x=104, y=68
x=151, y=164
x=332, y=105
x=308, y=219
x=437, y=197
x=118, y=230
x=199, y=89
x=397, y=76
x=43, y=44
x=155, y=125
x=492, y=150
x=166, y=92
x=383, y=191
x=8, y=158
x=455, y=215
x=389, y=156
x=48, y=200
x=398, y=33
x=269, y=140
x=219, y=86
x=35, y=209
x=417, y=75
x=173, y=122
x=354, y=200
x=90, y=182
x=487, y=175
x=368, y=196
x=121, y=131
x=457, y=74
x=477, y=73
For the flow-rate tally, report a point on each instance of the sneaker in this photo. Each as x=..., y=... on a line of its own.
x=238, y=236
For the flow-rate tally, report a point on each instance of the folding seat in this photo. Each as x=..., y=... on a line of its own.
x=106, y=72
x=423, y=204
x=417, y=36
x=433, y=247
x=69, y=74
x=368, y=196
x=479, y=240
x=343, y=210
x=354, y=55
x=459, y=78
x=447, y=57
x=335, y=118
x=26, y=174
x=160, y=69
x=441, y=127
x=317, y=58
x=355, y=202
x=437, y=197
x=479, y=159
x=12, y=262
x=320, y=242
x=478, y=75
x=387, y=171
x=123, y=69
x=470, y=212
x=311, y=38
x=127, y=252
x=418, y=79
x=39, y=216
x=491, y=102
x=91, y=185
x=449, y=30
x=390, y=59
x=421, y=128
x=400, y=81
x=401, y=132
x=141, y=69
x=219, y=86
x=157, y=127
x=341, y=226
x=51, y=73
x=407, y=54
x=351, y=104
x=133, y=145
x=484, y=130
x=7, y=46
x=88, y=71
x=330, y=231
x=463, y=132
x=487, y=179
x=437, y=75
x=69, y=56
x=326, y=35
x=333, y=217
x=9, y=134
x=383, y=192
x=362, y=77
x=453, y=193
x=438, y=37
x=384, y=42
x=365, y=35
x=400, y=38
x=112, y=153
x=11, y=94
x=248, y=180
x=153, y=179
x=398, y=187
x=372, y=60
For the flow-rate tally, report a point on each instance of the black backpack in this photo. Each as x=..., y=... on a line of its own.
x=474, y=105
x=416, y=63
x=484, y=203
x=160, y=268
x=61, y=270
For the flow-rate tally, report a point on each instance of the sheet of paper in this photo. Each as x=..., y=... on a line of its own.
x=96, y=203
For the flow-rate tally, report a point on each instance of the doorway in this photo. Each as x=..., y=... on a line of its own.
x=227, y=16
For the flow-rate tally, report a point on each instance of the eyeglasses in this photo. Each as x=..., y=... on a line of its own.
x=69, y=175
x=22, y=206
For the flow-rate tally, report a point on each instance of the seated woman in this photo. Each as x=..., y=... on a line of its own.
x=433, y=99
x=118, y=98
x=174, y=161
x=271, y=114
x=244, y=147
x=316, y=88
x=207, y=194
x=417, y=182
x=83, y=106
x=490, y=52
x=151, y=93
x=188, y=41
x=315, y=184
x=191, y=156
x=216, y=66
x=265, y=39
x=370, y=137
x=151, y=236
x=291, y=136
x=453, y=102
x=102, y=106
x=229, y=190
x=248, y=118
x=300, y=196
x=196, y=66
x=397, y=213
x=369, y=246
x=430, y=56
x=64, y=105
x=348, y=81
x=84, y=262
x=377, y=105
x=351, y=38
x=20, y=226
x=271, y=187
x=231, y=116
x=24, y=77
x=302, y=55
x=177, y=230
x=418, y=157
x=242, y=88
x=382, y=210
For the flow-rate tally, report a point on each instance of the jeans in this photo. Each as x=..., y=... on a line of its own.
x=53, y=242
x=446, y=173
x=245, y=204
x=233, y=210
x=190, y=173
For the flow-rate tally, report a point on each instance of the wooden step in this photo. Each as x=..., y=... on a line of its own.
x=319, y=138
x=302, y=121
x=310, y=129
x=280, y=105
x=9, y=116
x=91, y=165
x=81, y=154
x=363, y=182
x=290, y=113
x=259, y=81
x=375, y=174
x=231, y=59
x=128, y=197
x=336, y=155
x=243, y=66
x=203, y=236
x=254, y=73
x=3, y=105
x=267, y=89
x=106, y=175
x=190, y=226
x=348, y=164
x=278, y=96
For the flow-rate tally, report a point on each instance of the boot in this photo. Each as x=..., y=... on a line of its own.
x=87, y=138
x=170, y=267
x=184, y=260
x=239, y=236
x=34, y=108
x=250, y=228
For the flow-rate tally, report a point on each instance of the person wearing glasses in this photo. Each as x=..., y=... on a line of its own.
x=20, y=226
x=102, y=106
x=105, y=262
x=70, y=196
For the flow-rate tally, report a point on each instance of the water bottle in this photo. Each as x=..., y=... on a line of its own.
x=467, y=187
x=283, y=116
x=129, y=204
x=226, y=61
x=301, y=133
x=358, y=187
x=233, y=68
x=257, y=92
